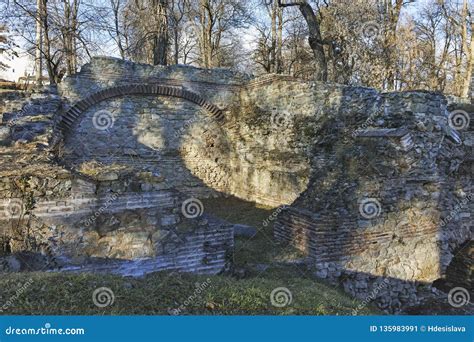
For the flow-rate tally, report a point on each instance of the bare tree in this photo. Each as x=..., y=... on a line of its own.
x=147, y=27
x=263, y=52
x=391, y=16
x=69, y=28
x=56, y=32
x=39, y=45
x=7, y=46
x=177, y=18
x=117, y=36
x=160, y=39
x=214, y=21
x=470, y=62
x=467, y=48
x=315, y=40
x=275, y=38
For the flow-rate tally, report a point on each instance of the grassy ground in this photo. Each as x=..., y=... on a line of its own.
x=261, y=266
x=162, y=294
x=257, y=250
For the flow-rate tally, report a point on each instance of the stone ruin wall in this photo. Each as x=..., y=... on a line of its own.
x=337, y=153
x=198, y=155
x=282, y=142
x=153, y=132
x=396, y=156
x=117, y=194
x=85, y=222
x=331, y=147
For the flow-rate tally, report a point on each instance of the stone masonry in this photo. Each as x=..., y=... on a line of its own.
x=379, y=185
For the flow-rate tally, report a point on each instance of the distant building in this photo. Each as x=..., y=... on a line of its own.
x=27, y=81
x=18, y=67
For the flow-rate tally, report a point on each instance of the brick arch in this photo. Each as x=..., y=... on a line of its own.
x=77, y=110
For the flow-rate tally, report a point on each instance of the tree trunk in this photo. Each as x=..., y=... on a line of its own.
x=206, y=22
x=315, y=41
x=273, y=54
x=279, y=56
x=469, y=65
x=66, y=32
x=39, y=43
x=392, y=17
x=52, y=72
x=202, y=33
x=176, y=46
x=116, y=11
x=160, y=40
x=208, y=35
x=160, y=50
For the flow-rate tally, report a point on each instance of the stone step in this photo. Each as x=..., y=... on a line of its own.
x=28, y=117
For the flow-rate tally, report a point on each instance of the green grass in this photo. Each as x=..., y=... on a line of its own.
x=265, y=266
x=260, y=249
x=158, y=293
